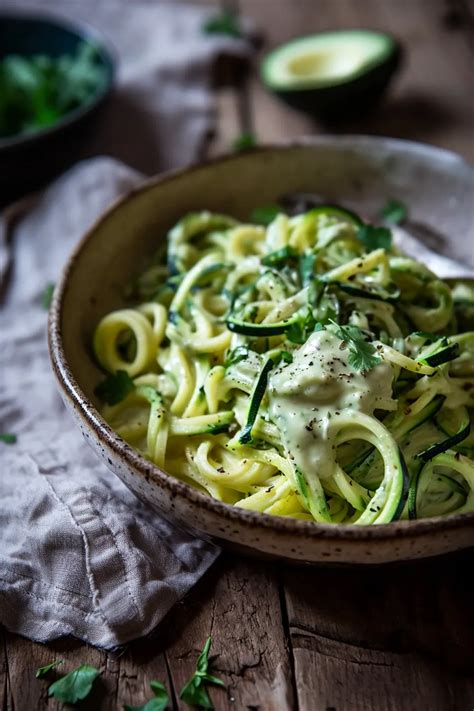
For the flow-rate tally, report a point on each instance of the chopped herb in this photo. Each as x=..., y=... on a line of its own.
x=280, y=256
x=159, y=703
x=224, y=23
x=246, y=140
x=38, y=90
x=47, y=296
x=42, y=671
x=115, y=387
x=75, y=686
x=8, y=438
x=394, y=212
x=306, y=268
x=236, y=355
x=361, y=352
x=265, y=214
x=300, y=331
x=286, y=357
x=374, y=237
x=194, y=692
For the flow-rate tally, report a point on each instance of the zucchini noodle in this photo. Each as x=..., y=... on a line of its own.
x=296, y=371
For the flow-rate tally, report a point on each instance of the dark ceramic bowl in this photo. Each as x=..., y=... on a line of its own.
x=28, y=161
x=360, y=171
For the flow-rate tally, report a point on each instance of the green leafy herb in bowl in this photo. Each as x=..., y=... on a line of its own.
x=38, y=90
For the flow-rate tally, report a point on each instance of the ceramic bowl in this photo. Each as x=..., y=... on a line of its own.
x=439, y=188
x=29, y=160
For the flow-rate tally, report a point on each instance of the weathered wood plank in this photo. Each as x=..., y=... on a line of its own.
x=238, y=605
x=383, y=638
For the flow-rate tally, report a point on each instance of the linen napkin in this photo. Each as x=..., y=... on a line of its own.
x=79, y=553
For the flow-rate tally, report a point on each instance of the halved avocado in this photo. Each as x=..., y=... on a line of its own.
x=332, y=74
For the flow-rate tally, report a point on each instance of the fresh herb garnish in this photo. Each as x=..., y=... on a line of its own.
x=394, y=212
x=279, y=256
x=374, y=237
x=47, y=296
x=286, y=357
x=246, y=140
x=75, y=686
x=265, y=214
x=158, y=703
x=236, y=355
x=361, y=352
x=42, y=671
x=8, y=438
x=224, y=23
x=299, y=331
x=115, y=387
x=194, y=692
x=39, y=90
x=306, y=268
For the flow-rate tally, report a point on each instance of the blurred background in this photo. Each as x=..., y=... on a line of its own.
x=184, y=80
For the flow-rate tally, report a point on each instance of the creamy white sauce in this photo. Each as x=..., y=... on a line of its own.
x=318, y=385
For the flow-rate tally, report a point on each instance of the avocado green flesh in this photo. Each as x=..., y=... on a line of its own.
x=332, y=73
x=325, y=59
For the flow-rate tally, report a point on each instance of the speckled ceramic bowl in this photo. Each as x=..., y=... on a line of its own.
x=438, y=186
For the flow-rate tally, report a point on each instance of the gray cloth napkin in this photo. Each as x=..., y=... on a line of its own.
x=79, y=554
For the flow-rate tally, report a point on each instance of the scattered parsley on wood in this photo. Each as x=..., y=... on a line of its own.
x=75, y=686
x=374, y=237
x=115, y=388
x=8, y=438
x=194, y=692
x=361, y=353
x=224, y=23
x=244, y=142
x=160, y=701
x=42, y=671
x=265, y=214
x=394, y=212
x=47, y=296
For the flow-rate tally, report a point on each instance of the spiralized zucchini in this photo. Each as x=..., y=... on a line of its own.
x=298, y=370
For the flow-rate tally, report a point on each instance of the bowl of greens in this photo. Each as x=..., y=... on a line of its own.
x=54, y=75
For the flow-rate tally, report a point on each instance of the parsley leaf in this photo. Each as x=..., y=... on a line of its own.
x=194, y=692
x=8, y=438
x=42, y=671
x=74, y=686
x=265, y=214
x=299, y=331
x=394, y=212
x=374, y=237
x=246, y=140
x=47, y=296
x=361, y=352
x=159, y=703
x=279, y=257
x=115, y=387
x=306, y=268
x=286, y=357
x=224, y=23
x=236, y=355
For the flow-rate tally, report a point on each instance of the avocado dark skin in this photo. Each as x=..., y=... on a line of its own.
x=352, y=99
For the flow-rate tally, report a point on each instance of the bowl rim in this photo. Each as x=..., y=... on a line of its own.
x=84, y=31
x=105, y=434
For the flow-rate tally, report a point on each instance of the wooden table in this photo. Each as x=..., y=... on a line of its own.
x=394, y=638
